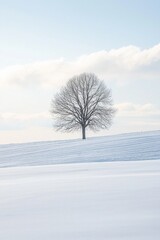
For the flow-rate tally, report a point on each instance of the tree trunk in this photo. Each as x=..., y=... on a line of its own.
x=83, y=132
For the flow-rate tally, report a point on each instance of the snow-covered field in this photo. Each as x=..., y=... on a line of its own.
x=123, y=147
x=92, y=199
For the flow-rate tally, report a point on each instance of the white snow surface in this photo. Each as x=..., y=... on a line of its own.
x=89, y=201
x=123, y=147
x=105, y=196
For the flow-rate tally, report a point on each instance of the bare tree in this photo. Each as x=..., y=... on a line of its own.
x=85, y=102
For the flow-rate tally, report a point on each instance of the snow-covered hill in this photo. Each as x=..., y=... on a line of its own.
x=123, y=147
x=103, y=196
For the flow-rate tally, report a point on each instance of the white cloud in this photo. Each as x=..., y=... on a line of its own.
x=10, y=121
x=11, y=116
x=137, y=110
x=117, y=64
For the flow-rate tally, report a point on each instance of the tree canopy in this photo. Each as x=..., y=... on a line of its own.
x=85, y=102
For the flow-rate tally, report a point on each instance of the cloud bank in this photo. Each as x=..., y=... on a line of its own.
x=128, y=109
x=25, y=91
x=121, y=64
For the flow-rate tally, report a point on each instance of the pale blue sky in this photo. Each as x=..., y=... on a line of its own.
x=39, y=33
x=38, y=30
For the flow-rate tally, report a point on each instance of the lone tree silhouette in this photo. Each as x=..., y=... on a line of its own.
x=85, y=102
